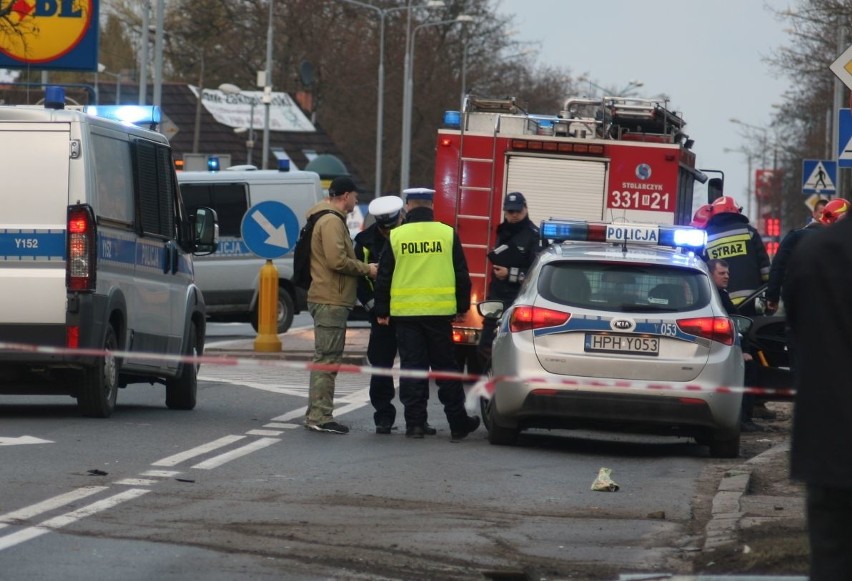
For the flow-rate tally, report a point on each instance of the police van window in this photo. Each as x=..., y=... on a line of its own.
x=229, y=200
x=156, y=187
x=114, y=175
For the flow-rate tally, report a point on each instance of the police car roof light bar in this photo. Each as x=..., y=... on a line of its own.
x=653, y=234
x=140, y=115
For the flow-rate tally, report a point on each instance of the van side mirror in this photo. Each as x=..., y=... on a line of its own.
x=715, y=189
x=205, y=228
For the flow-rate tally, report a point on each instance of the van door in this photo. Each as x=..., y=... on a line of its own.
x=35, y=164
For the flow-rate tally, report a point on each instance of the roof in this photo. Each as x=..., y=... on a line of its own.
x=179, y=107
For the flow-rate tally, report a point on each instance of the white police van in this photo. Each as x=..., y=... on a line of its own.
x=229, y=278
x=96, y=255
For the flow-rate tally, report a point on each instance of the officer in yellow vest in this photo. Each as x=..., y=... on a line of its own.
x=423, y=283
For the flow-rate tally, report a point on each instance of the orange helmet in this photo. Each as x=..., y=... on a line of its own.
x=726, y=204
x=835, y=210
x=702, y=216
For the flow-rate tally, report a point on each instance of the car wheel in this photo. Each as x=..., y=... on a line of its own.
x=497, y=434
x=98, y=387
x=286, y=310
x=181, y=390
x=725, y=448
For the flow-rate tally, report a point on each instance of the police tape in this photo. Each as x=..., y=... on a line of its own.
x=485, y=384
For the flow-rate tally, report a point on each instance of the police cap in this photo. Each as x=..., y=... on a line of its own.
x=418, y=194
x=386, y=210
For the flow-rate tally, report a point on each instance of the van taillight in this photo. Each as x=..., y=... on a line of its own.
x=81, y=251
x=525, y=318
x=719, y=329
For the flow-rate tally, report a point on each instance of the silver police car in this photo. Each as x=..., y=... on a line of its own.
x=617, y=327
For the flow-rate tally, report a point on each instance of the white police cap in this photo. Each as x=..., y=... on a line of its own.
x=386, y=210
x=418, y=194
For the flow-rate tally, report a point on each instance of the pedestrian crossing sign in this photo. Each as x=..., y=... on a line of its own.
x=844, y=145
x=819, y=177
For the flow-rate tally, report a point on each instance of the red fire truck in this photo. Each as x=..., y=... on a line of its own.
x=600, y=159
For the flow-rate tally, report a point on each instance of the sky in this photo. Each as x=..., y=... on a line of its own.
x=708, y=56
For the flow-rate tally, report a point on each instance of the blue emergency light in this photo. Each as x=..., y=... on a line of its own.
x=625, y=233
x=141, y=115
x=452, y=119
x=212, y=163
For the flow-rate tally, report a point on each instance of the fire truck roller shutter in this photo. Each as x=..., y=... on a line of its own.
x=555, y=186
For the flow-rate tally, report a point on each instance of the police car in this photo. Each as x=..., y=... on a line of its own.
x=617, y=327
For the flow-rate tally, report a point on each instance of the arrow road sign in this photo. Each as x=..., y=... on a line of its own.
x=22, y=440
x=819, y=176
x=270, y=229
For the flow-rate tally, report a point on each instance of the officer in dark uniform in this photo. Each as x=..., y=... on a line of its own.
x=423, y=284
x=381, y=349
x=517, y=245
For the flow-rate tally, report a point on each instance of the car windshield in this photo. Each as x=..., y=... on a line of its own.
x=624, y=287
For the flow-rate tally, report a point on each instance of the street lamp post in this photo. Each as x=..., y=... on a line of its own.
x=231, y=89
x=267, y=89
x=750, y=184
x=408, y=97
x=102, y=71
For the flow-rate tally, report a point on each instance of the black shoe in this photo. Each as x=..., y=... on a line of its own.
x=429, y=430
x=415, y=432
x=470, y=425
x=384, y=428
x=329, y=427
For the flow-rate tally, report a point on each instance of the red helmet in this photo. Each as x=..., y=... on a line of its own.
x=726, y=204
x=702, y=216
x=835, y=210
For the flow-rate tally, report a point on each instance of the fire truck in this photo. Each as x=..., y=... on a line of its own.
x=610, y=159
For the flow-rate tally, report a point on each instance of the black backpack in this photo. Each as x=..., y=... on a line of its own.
x=302, y=253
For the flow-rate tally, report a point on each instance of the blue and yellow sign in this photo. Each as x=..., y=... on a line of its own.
x=49, y=34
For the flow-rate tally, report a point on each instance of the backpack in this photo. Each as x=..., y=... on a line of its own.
x=302, y=252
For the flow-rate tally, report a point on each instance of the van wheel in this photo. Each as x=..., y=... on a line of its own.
x=181, y=390
x=98, y=386
x=285, y=311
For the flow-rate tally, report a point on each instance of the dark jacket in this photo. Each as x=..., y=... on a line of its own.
x=782, y=257
x=516, y=248
x=816, y=293
x=731, y=238
x=387, y=264
x=369, y=244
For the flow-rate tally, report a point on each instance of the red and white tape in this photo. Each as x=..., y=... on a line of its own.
x=484, y=384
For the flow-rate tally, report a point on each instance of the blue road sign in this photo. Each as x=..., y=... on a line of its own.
x=819, y=176
x=844, y=144
x=270, y=229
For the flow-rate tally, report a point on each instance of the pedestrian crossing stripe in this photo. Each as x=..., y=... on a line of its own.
x=819, y=180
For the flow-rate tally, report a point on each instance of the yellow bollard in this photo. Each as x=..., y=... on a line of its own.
x=267, y=310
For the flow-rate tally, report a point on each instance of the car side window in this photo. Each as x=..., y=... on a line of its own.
x=114, y=174
x=156, y=187
x=229, y=200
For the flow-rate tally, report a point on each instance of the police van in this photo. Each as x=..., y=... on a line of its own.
x=96, y=256
x=229, y=278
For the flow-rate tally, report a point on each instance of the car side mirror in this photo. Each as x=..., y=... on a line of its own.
x=491, y=309
x=742, y=324
x=205, y=228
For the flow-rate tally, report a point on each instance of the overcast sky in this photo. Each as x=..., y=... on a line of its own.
x=708, y=56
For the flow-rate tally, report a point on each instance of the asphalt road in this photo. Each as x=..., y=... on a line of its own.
x=238, y=489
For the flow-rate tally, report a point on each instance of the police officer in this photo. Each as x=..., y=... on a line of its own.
x=423, y=282
x=730, y=237
x=381, y=349
x=513, y=254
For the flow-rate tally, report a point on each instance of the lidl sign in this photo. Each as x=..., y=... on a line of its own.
x=49, y=34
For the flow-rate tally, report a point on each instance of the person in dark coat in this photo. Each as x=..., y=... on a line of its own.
x=816, y=296
x=382, y=347
x=518, y=243
x=731, y=238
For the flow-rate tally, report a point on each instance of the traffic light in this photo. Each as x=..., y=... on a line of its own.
x=771, y=248
x=773, y=226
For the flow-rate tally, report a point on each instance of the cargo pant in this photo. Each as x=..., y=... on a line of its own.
x=329, y=339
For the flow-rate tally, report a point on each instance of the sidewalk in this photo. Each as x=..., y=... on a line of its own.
x=296, y=345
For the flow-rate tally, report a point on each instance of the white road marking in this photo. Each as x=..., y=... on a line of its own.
x=58, y=522
x=280, y=426
x=197, y=451
x=160, y=473
x=263, y=433
x=136, y=482
x=22, y=440
x=217, y=461
x=48, y=505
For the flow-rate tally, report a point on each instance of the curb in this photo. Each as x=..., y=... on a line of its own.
x=727, y=512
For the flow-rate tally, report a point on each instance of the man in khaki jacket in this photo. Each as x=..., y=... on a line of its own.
x=334, y=280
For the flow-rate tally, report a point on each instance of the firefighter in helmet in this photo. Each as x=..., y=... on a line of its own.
x=730, y=237
x=702, y=215
x=835, y=210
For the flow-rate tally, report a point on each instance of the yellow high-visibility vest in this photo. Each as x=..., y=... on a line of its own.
x=424, y=280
